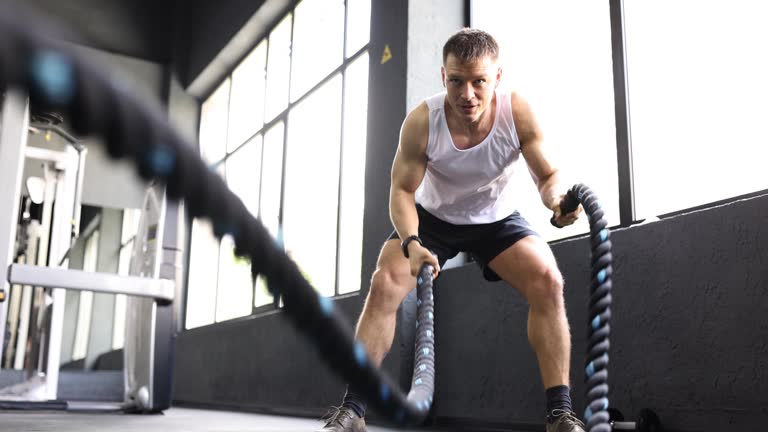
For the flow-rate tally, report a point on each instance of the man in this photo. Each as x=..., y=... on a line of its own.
x=450, y=192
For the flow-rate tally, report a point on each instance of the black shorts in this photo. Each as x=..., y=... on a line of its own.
x=483, y=242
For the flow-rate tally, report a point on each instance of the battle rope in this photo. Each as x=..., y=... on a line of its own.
x=596, y=373
x=57, y=78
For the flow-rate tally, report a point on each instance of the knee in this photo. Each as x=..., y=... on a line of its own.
x=386, y=291
x=546, y=290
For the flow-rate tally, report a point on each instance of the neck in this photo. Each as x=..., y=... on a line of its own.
x=479, y=126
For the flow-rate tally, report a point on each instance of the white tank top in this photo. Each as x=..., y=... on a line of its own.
x=470, y=186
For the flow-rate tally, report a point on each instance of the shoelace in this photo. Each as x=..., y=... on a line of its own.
x=567, y=416
x=336, y=415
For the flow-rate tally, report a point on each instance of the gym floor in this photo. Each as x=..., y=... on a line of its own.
x=175, y=419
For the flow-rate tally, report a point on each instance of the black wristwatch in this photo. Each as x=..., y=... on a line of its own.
x=408, y=240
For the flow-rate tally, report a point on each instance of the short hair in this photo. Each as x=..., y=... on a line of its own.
x=470, y=45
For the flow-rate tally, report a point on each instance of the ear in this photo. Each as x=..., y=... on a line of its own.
x=442, y=75
x=498, y=76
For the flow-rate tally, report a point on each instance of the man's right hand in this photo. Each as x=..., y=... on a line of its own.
x=418, y=256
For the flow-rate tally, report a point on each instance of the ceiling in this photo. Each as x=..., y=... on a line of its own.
x=144, y=29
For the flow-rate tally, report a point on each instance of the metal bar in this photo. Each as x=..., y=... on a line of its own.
x=79, y=178
x=59, y=158
x=61, y=239
x=28, y=326
x=13, y=140
x=627, y=209
x=469, y=16
x=622, y=425
x=277, y=300
x=340, y=188
x=60, y=131
x=49, y=277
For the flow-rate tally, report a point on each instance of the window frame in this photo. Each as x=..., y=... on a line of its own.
x=281, y=117
x=626, y=178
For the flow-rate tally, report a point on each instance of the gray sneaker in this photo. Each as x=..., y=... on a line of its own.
x=343, y=419
x=564, y=421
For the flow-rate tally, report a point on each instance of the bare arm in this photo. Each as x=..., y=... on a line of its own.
x=408, y=170
x=544, y=173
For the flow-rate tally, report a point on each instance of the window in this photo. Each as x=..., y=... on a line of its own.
x=244, y=174
x=271, y=193
x=203, y=275
x=558, y=56
x=312, y=184
x=235, y=284
x=697, y=92
x=271, y=189
x=278, y=68
x=213, y=124
x=358, y=25
x=318, y=43
x=353, y=175
x=287, y=130
x=246, y=110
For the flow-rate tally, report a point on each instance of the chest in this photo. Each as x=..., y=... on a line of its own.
x=488, y=158
x=464, y=138
x=466, y=141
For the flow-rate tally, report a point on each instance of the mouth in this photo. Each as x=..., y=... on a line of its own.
x=467, y=108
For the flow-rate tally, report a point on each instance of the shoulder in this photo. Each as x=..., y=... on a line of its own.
x=414, y=133
x=525, y=122
x=416, y=123
x=520, y=106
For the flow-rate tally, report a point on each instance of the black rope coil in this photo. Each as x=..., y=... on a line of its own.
x=55, y=77
x=596, y=372
x=423, y=382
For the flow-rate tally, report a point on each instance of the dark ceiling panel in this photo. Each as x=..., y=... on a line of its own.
x=138, y=28
x=186, y=34
x=205, y=29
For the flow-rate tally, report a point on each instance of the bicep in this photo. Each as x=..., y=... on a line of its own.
x=407, y=173
x=539, y=165
x=531, y=140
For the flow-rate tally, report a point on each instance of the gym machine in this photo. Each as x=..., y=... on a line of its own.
x=36, y=254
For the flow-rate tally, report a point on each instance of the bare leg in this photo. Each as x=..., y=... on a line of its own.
x=530, y=267
x=390, y=283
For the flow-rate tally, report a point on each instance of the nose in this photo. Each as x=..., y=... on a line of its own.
x=467, y=92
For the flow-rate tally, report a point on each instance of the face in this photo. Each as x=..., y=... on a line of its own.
x=470, y=86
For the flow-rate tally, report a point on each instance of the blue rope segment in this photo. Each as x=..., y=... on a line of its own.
x=423, y=381
x=596, y=370
x=32, y=57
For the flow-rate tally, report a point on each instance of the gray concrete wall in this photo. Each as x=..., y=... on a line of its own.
x=430, y=24
x=687, y=327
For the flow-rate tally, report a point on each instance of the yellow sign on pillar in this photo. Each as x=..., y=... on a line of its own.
x=387, y=55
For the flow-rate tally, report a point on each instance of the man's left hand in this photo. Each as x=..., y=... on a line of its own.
x=566, y=219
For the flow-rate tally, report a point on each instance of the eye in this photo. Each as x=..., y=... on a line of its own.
x=480, y=81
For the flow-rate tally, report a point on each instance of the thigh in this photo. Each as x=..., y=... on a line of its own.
x=487, y=242
x=524, y=263
x=435, y=235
